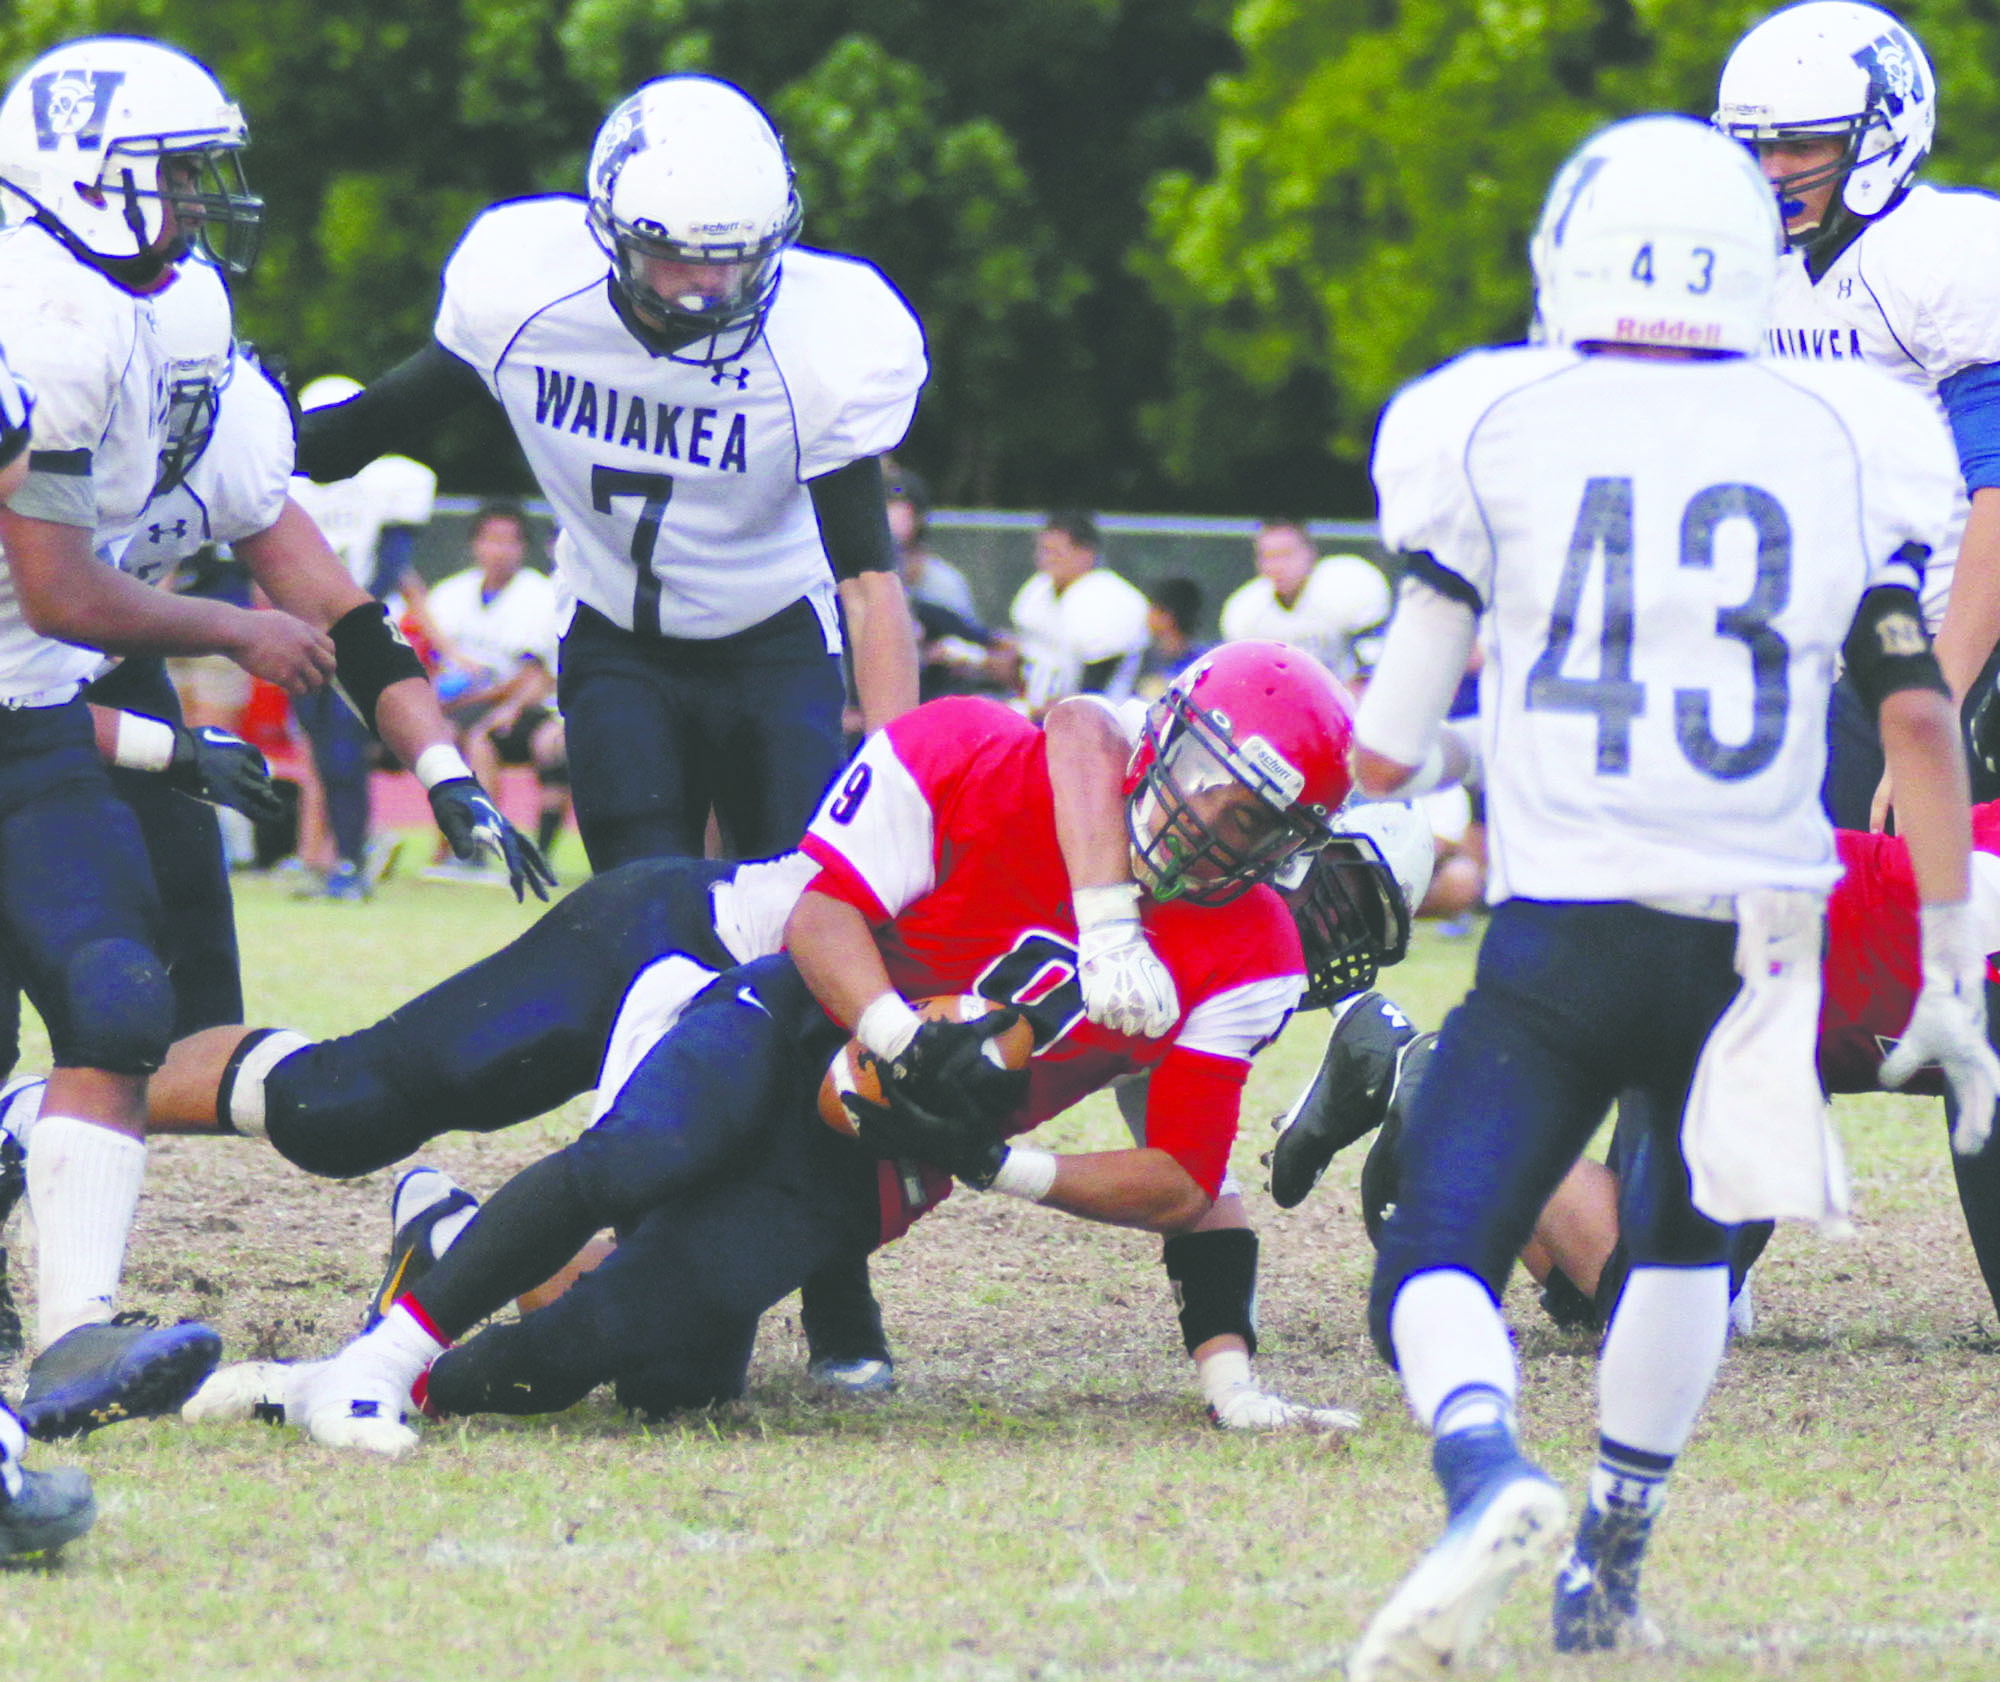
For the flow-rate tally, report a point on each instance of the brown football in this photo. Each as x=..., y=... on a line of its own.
x=853, y=1066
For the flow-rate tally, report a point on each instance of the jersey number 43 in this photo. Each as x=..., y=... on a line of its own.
x=1613, y=696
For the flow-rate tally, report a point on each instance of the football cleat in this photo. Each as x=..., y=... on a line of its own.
x=1247, y=1408
x=249, y=1391
x=1382, y=1170
x=853, y=1375
x=1596, y=1606
x=423, y=1197
x=1347, y=1098
x=49, y=1509
x=129, y=1367
x=348, y=1405
x=1434, y=1619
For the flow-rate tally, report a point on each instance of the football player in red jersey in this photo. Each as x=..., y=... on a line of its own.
x=939, y=871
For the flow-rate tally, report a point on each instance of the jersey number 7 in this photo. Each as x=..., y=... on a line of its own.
x=657, y=490
x=1604, y=525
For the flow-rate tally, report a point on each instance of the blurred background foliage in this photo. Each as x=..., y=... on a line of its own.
x=1169, y=254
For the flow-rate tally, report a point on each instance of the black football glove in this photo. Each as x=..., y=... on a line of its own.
x=224, y=770
x=963, y=1143
x=945, y=1071
x=473, y=824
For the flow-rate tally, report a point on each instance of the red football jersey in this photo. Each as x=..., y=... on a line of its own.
x=1872, y=967
x=942, y=833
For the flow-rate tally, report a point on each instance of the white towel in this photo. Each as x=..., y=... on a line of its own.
x=1758, y=1136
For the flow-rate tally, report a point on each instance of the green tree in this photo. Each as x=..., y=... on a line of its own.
x=1378, y=167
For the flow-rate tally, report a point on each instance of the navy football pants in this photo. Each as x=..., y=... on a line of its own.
x=661, y=728
x=726, y=1192
x=1573, y=1007
x=511, y=1037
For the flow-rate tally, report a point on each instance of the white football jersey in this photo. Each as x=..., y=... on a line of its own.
x=679, y=489
x=235, y=489
x=498, y=633
x=90, y=351
x=1098, y=617
x=1343, y=596
x=352, y=513
x=1668, y=556
x=1917, y=295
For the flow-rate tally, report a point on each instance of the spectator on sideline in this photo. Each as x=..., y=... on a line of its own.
x=1082, y=627
x=1317, y=605
x=1173, y=615
x=497, y=624
x=926, y=577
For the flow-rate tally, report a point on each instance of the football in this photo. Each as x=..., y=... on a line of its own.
x=853, y=1066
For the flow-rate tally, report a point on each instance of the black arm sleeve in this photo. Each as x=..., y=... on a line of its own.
x=934, y=622
x=397, y=415
x=1887, y=650
x=13, y=440
x=853, y=511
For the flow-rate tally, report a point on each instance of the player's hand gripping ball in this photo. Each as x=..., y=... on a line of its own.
x=854, y=1068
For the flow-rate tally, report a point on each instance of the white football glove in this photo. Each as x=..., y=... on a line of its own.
x=1948, y=1025
x=1125, y=986
x=1251, y=1409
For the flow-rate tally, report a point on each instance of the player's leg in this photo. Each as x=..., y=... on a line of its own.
x=340, y=753
x=549, y=754
x=771, y=742
x=183, y=840
x=633, y=777
x=77, y=902
x=1347, y=1097
x=1668, y=1324
x=1567, y=1000
x=1978, y=1179
x=697, y=1108
x=671, y=1314
x=39, y=1511
x=511, y=1037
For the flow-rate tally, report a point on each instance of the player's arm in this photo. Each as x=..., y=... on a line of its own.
x=17, y=408
x=386, y=684
x=1400, y=746
x=202, y=762
x=398, y=414
x=68, y=594
x=852, y=509
x=1891, y=664
x=1125, y=986
x=1971, y=624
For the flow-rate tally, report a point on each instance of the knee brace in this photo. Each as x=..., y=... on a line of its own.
x=120, y=1007
x=1214, y=1275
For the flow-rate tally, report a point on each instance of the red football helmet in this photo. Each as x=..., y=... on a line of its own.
x=1242, y=765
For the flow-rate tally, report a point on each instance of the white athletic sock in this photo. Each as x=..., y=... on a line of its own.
x=397, y=1350
x=83, y=1190
x=13, y=1444
x=246, y=1091
x=1661, y=1355
x=21, y=1106
x=1448, y=1334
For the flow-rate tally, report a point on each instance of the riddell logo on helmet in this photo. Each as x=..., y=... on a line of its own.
x=1694, y=335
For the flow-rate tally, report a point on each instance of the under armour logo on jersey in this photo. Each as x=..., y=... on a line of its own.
x=1893, y=77
x=157, y=531
x=740, y=375
x=1846, y=287
x=72, y=105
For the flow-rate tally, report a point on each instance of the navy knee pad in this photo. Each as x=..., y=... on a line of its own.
x=120, y=1006
x=1214, y=1275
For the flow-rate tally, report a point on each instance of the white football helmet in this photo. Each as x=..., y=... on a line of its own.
x=1658, y=231
x=1835, y=68
x=110, y=140
x=1354, y=900
x=192, y=317
x=692, y=199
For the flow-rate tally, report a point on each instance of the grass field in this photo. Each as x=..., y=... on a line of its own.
x=1042, y=1498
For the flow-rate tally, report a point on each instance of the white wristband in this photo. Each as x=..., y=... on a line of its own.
x=1097, y=906
x=1026, y=1174
x=143, y=744
x=887, y=1026
x=440, y=763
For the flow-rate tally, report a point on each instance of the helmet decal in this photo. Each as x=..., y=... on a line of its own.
x=72, y=105
x=1891, y=61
